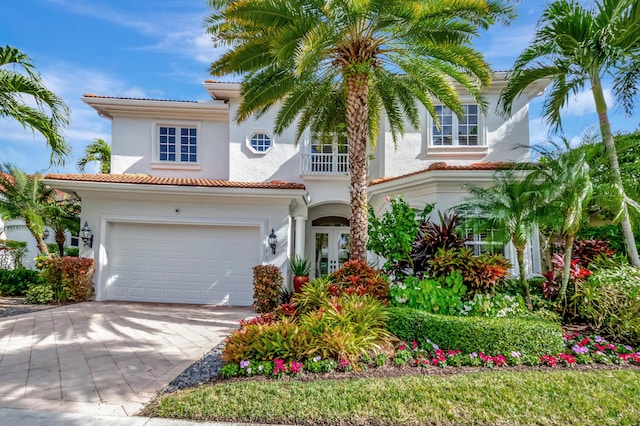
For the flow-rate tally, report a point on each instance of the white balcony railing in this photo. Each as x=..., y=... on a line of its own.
x=325, y=163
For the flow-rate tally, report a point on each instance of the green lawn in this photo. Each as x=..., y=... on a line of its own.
x=496, y=397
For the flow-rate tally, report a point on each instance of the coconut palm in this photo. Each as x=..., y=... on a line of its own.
x=335, y=66
x=50, y=113
x=23, y=197
x=98, y=151
x=576, y=48
x=509, y=205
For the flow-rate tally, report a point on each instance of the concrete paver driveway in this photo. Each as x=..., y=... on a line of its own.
x=104, y=358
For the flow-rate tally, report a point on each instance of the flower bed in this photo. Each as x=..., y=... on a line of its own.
x=579, y=350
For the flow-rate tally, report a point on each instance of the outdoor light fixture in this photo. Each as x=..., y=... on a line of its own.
x=45, y=234
x=273, y=240
x=86, y=235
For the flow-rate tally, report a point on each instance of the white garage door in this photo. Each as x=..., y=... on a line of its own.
x=181, y=263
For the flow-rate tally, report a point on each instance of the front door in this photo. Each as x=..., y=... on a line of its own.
x=331, y=249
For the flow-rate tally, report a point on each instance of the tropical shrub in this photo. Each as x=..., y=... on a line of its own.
x=70, y=278
x=357, y=277
x=347, y=327
x=477, y=334
x=392, y=235
x=343, y=327
x=610, y=301
x=313, y=296
x=429, y=294
x=39, y=294
x=433, y=237
x=15, y=282
x=267, y=284
x=479, y=273
x=577, y=275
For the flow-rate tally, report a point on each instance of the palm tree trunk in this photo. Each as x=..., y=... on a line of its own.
x=566, y=272
x=357, y=134
x=42, y=247
x=60, y=240
x=523, y=278
x=610, y=149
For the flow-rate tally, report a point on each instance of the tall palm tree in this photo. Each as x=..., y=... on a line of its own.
x=335, y=66
x=50, y=113
x=564, y=180
x=99, y=151
x=24, y=197
x=576, y=47
x=509, y=205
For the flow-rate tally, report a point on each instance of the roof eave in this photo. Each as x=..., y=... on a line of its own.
x=155, y=189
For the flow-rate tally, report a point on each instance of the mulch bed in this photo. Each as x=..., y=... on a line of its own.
x=10, y=306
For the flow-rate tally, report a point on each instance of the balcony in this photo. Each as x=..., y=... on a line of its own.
x=325, y=164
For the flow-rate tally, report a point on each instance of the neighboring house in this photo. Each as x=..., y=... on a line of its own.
x=193, y=197
x=15, y=230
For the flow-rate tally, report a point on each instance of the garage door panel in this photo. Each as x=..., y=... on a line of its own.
x=182, y=263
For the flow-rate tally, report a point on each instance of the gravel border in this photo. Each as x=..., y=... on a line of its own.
x=205, y=370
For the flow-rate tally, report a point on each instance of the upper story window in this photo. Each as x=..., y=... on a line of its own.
x=454, y=131
x=178, y=144
x=260, y=142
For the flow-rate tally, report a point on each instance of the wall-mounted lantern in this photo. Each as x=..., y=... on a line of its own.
x=86, y=235
x=273, y=241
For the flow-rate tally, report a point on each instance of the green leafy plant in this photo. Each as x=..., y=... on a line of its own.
x=39, y=294
x=392, y=235
x=267, y=285
x=313, y=295
x=15, y=282
x=430, y=295
x=300, y=266
x=610, y=300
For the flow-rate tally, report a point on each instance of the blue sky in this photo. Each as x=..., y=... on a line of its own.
x=158, y=49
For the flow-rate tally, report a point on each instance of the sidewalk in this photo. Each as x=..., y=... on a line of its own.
x=13, y=417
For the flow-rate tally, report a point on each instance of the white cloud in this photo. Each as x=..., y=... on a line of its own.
x=583, y=103
x=29, y=151
x=538, y=131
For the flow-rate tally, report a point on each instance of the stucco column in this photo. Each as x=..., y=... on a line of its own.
x=300, y=234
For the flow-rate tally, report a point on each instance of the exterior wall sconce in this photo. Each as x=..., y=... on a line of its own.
x=86, y=235
x=45, y=234
x=273, y=241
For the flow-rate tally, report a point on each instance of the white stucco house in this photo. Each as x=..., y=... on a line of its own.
x=193, y=196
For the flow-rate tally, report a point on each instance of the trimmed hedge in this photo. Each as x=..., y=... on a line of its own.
x=477, y=334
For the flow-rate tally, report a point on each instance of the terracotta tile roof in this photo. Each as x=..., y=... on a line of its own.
x=91, y=95
x=222, y=82
x=441, y=165
x=143, y=179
